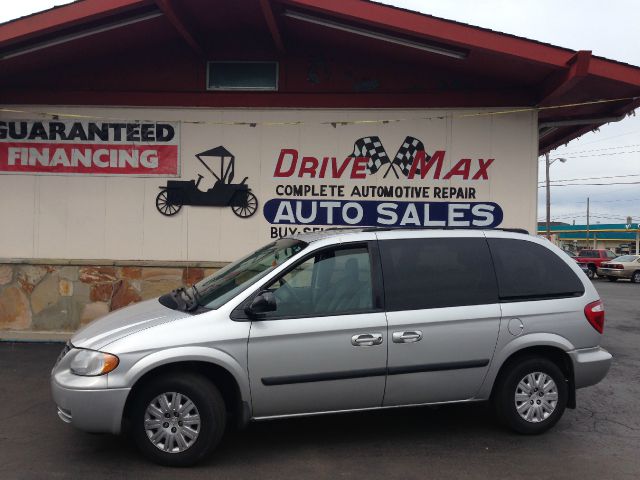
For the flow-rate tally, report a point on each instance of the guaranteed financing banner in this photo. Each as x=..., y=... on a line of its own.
x=89, y=147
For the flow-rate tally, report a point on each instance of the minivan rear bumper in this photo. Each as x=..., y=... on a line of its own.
x=590, y=365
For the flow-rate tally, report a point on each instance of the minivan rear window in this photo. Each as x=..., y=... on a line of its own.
x=529, y=271
x=422, y=273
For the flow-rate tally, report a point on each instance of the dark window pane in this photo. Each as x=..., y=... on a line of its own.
x=437, y=272
x=527, y=270
x=589, y=254
x=243, y=75
x=336, y=281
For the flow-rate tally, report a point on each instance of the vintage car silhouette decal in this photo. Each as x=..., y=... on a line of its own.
x=223, y=193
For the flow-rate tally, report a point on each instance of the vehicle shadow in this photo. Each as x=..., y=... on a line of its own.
x=349, y=433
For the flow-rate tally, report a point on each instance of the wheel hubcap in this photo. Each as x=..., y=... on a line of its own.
x=172, y=422
x=536, y=397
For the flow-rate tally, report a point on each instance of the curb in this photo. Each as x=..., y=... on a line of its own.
x=28, y=336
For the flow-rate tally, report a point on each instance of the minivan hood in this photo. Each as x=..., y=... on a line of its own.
x=123, y=322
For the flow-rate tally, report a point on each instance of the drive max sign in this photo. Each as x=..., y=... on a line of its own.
x=376, y=189
x=94, y=148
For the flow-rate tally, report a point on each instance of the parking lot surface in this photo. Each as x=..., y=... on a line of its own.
x=600, y=439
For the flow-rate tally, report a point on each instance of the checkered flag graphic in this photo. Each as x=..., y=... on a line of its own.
x=407, y=154
x=371, y=148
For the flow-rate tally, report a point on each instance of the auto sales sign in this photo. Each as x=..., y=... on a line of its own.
x=90, y=148
x=367, y=187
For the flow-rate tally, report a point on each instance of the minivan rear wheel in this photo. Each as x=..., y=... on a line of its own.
x=178, y=419
x=531, y=395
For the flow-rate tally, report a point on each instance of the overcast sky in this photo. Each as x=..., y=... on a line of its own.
x=608, y=28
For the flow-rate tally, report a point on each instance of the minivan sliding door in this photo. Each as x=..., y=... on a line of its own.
x=443, y=315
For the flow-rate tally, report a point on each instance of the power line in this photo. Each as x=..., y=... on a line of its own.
x=602, y=154
x=591, y=155
x=596, y=215
x=591, y=178
x=541, y=158
x=615, y=201
x=609, y=138
x=621, y=189
x=591, y=184
x=605, y=148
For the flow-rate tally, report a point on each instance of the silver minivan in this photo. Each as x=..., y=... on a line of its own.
x=342, y=320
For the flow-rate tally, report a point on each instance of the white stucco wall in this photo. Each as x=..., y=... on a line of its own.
x=101, y=217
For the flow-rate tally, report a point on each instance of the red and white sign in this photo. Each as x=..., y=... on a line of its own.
x=90, y=148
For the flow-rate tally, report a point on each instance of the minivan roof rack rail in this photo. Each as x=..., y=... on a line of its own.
x=384, y=229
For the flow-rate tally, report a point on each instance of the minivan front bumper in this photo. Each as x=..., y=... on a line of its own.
x=90, y=410
x=590, y=365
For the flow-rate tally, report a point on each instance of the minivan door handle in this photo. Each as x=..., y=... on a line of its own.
x=366, y=339
x=407, y=337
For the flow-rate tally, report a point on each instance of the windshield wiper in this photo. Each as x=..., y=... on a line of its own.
x=190, y=301
x=196, y=293
x=183, y=300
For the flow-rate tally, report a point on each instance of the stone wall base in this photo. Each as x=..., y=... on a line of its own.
x=58, y=297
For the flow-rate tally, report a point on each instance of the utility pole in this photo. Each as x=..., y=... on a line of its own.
x=547, y=165
x=588, y=238
x=630, y=227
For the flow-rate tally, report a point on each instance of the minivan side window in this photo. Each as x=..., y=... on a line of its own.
x=528, y=271
x=332, y=282
x=422, y=273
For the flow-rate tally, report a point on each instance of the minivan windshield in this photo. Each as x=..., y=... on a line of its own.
x=215, y=290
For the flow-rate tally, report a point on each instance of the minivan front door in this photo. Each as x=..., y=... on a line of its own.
x=443, y=315
x=325, y=346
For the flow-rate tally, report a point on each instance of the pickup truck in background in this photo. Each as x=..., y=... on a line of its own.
x=592, y=259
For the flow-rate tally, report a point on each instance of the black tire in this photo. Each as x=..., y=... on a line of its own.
x=507, y=387
x=589, y=273
x=210, y=407
x=594, y=271
x=635, y=277
x=612, y=279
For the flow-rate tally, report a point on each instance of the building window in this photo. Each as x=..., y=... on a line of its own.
x=242, y=75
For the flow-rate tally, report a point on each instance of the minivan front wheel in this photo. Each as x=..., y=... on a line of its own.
x=531, y=395
x=178, y=419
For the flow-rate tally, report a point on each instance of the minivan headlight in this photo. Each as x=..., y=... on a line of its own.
x=89, y=363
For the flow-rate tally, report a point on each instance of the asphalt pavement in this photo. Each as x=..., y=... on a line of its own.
x=598, y=440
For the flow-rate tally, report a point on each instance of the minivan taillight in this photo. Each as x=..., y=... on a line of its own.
x=595, y=315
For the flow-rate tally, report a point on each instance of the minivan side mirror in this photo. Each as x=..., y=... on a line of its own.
x=264, y=302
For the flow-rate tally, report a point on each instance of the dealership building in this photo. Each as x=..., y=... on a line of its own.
x=145, y=143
